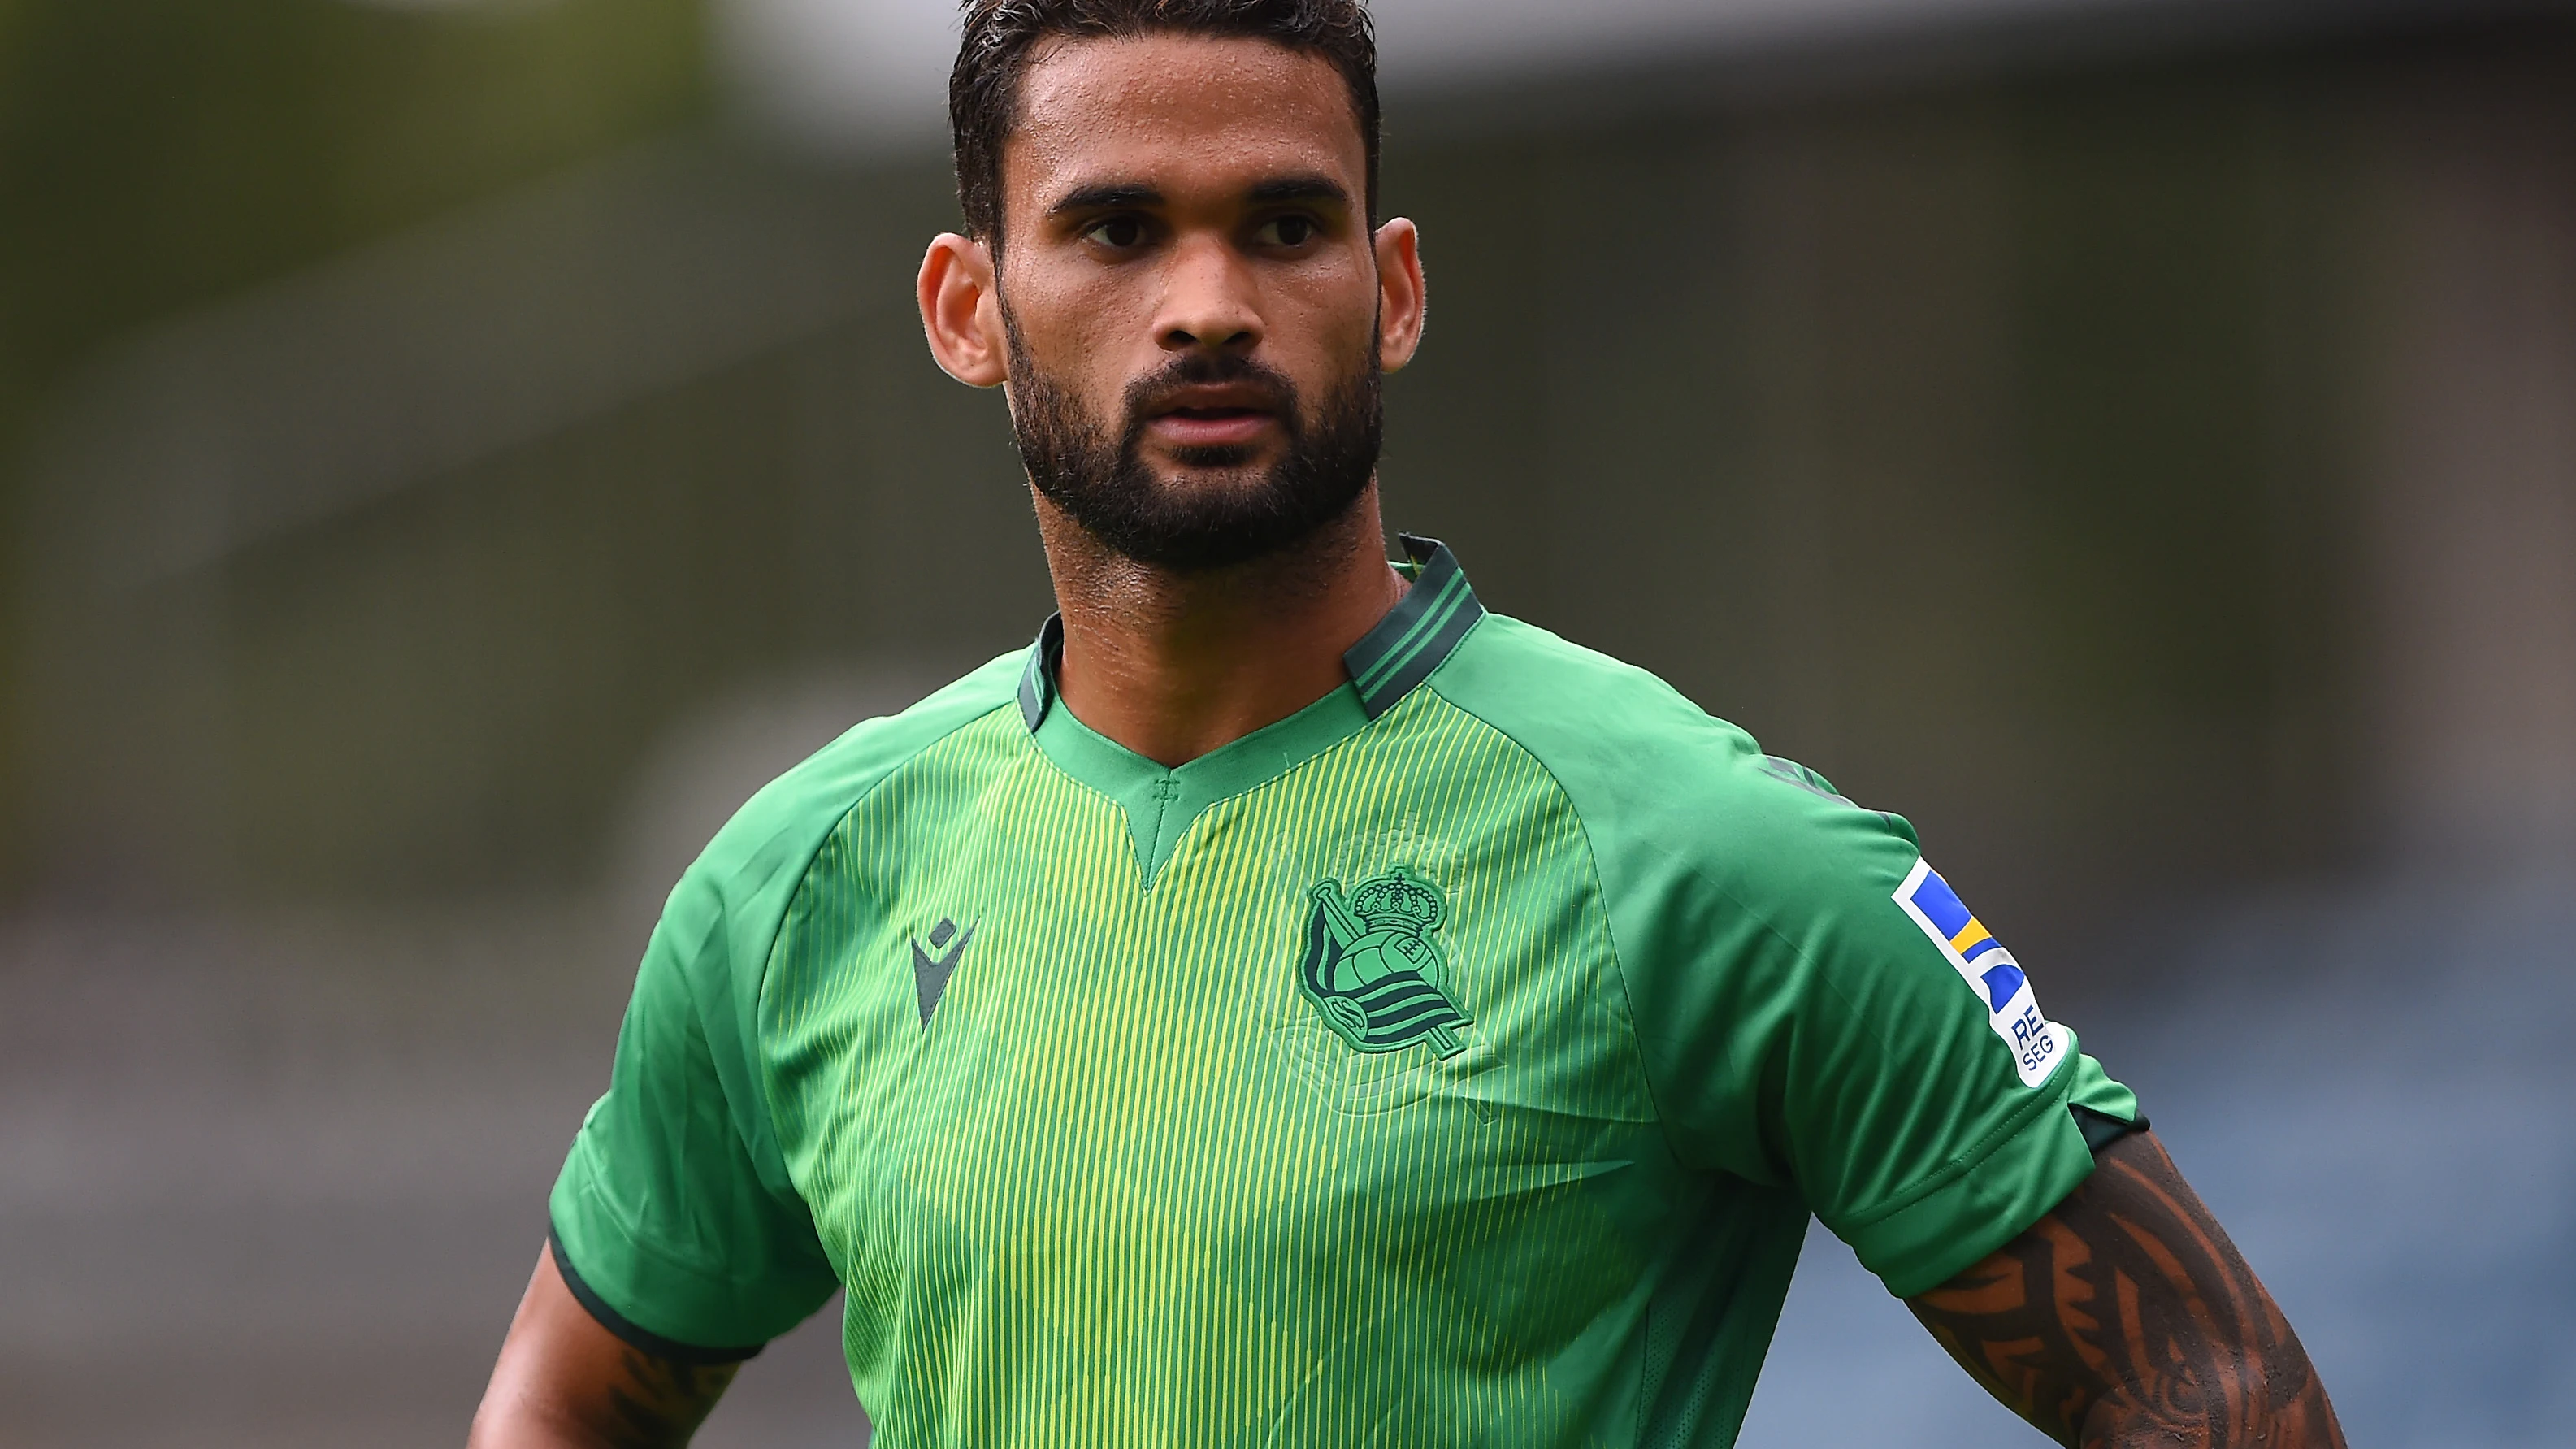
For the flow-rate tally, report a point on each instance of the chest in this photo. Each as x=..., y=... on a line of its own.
x=1349, y=1050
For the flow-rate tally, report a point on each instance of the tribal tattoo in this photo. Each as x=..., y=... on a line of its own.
x=661, y=1401
x=2126, y=1318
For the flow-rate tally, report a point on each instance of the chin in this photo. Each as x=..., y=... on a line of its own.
x=1241, y=460
x=1226, y=490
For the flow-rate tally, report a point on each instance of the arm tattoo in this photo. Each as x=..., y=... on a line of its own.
x=2126, y=1318
x=660, y=1402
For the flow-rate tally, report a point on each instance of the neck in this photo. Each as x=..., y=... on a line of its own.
x=1175, y=665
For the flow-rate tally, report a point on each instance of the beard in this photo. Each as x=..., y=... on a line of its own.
x=1229, y=512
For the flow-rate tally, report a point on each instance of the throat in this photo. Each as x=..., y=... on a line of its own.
x=1173, y=666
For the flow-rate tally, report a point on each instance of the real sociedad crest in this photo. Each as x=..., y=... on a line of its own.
x=1372, y=968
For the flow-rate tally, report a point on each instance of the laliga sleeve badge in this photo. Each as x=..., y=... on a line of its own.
x=2037, y=1043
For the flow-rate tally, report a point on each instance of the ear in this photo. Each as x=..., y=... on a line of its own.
x=961, y=313
x=1402, y=304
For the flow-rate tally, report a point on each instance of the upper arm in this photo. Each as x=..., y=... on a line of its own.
x=1805, y=1024
x=678, y=1245
x=564, y=1379
x=2125, y=1316
x=1796, y=1026
x=674, y=1217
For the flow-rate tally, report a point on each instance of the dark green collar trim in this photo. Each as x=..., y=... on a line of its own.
x=1414, y=638
x=1161, y=804
x=1037, y=682
x=1417, y=635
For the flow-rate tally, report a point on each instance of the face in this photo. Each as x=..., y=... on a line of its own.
x=1188, y=307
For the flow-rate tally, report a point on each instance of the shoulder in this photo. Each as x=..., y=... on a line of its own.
x=1666, y=790
x=1562, y=699
x=733, y=896
x=1616, y=736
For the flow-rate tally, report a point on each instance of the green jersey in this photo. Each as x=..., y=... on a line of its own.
x=1456, y=1061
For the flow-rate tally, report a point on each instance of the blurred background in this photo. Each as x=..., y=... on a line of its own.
x=451, y=452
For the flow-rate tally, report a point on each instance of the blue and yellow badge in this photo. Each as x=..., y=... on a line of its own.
x=2038, y=1044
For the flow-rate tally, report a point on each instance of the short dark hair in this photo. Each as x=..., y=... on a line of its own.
x=984, y=88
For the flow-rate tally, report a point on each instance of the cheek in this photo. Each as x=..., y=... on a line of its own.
x=1080, y=336
x=1339, y=303
x=1323, y=333
x=1073, y=346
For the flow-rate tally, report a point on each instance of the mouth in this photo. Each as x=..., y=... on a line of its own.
x=1212, y=417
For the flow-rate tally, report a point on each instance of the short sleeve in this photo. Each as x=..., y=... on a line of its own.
x=1818, y=1010
x=674, y=1219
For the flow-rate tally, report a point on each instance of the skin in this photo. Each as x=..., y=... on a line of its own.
x=2126, y=1318
x=1166, y=194
x=562, y=1379
x=1162, y=195
x=1108, y=289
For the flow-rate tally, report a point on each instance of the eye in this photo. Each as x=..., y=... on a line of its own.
x=1118, y=233
x=1287, y=231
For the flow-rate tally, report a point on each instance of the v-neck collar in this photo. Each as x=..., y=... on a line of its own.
x=1388, y=662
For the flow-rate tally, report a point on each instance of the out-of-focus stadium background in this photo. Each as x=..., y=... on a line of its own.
x=451, y=452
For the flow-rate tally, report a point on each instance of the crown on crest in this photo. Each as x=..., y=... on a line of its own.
x=1397, y=899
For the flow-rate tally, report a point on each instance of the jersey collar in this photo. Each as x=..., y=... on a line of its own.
x=1417, y=635
x=1414, y=638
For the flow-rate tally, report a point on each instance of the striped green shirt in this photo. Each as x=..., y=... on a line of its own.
x=1457, y=1061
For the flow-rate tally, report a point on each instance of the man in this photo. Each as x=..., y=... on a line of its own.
x=1289, y=1004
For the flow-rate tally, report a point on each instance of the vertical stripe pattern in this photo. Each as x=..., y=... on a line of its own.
x=1126, y=1186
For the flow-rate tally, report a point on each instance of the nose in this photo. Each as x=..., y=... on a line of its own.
x=1208, y=301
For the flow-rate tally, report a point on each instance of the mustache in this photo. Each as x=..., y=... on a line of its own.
x=1147, y=395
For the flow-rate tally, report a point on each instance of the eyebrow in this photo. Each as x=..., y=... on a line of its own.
x=1300, y=188
x=1106, y=196
x=1113, y=195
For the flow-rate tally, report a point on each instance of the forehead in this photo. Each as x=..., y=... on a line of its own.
x=1180, y=111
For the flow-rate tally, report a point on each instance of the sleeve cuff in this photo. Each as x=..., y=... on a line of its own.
x=1928, y=1241
x=2101, y=1129
x=617, y=1323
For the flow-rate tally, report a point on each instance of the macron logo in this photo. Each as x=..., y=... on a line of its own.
x=930, y=975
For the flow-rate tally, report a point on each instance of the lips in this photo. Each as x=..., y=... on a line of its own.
x=1212, y=428
x=1212, y=415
